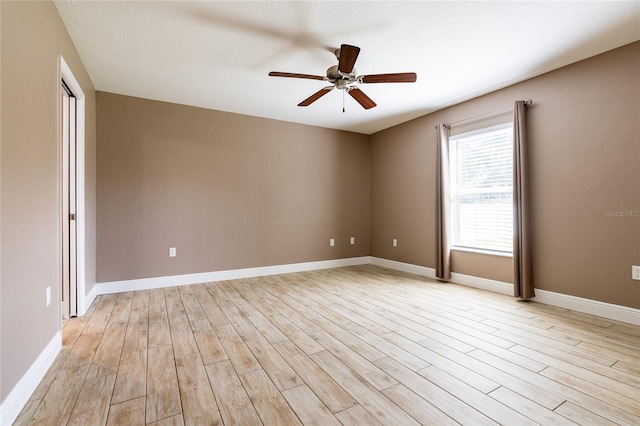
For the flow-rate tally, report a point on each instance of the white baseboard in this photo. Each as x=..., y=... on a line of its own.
x=233, y=274
x=593, y=307
x=20, y=394
x=588, y=306
x=404, y=267
x=578, y=304
x=482, y=283
x=467, y=280
x=88, y=300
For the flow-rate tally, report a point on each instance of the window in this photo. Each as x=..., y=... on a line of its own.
x=482, y=189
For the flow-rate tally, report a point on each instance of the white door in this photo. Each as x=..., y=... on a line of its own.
x=69, y=191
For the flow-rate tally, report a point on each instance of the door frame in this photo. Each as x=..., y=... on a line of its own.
x=64, y=73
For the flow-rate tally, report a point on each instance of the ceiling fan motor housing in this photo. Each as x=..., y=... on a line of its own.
x=340, y=79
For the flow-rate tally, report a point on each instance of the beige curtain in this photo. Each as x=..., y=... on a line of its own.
x=522, y=273
x=443, y=251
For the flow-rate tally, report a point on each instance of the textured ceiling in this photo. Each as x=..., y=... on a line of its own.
x=217, y=54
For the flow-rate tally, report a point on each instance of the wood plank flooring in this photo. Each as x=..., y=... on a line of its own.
x=355, y=346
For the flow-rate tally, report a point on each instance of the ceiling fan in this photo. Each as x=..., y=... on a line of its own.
x=344, y=77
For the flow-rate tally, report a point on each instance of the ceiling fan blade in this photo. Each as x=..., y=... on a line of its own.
x=362, y=99
x=294, y=75
x=320, y=93
x=402, y=77
x=348, y=56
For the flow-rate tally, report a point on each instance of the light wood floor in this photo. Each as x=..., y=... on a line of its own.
x=354, y=346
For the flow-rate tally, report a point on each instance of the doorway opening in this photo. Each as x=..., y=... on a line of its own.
x=68, y=115
x=71, y=119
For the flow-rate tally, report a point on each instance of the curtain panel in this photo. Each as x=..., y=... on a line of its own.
x=443, y=249
x=522, y=270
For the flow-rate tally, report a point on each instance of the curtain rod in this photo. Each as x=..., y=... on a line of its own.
x=488, y=115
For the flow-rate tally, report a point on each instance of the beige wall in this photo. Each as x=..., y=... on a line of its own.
x=228, y=191
x=32, y=38
x=584, y=135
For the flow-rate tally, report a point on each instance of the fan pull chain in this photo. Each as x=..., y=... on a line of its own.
x=343, y=110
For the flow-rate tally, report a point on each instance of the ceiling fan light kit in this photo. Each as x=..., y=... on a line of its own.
x=345, y=77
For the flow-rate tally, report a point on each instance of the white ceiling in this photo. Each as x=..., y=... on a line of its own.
x=217, y=54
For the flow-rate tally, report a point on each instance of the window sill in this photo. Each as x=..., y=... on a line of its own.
x=479, y=251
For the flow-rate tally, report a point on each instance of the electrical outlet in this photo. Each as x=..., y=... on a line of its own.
x=395, y=242
x=48, y=296
x=635, y=272
x=332, y=242
x=172, y=252
x=352, y=241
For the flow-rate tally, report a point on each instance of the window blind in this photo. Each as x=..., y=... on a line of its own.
x=482, y=189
